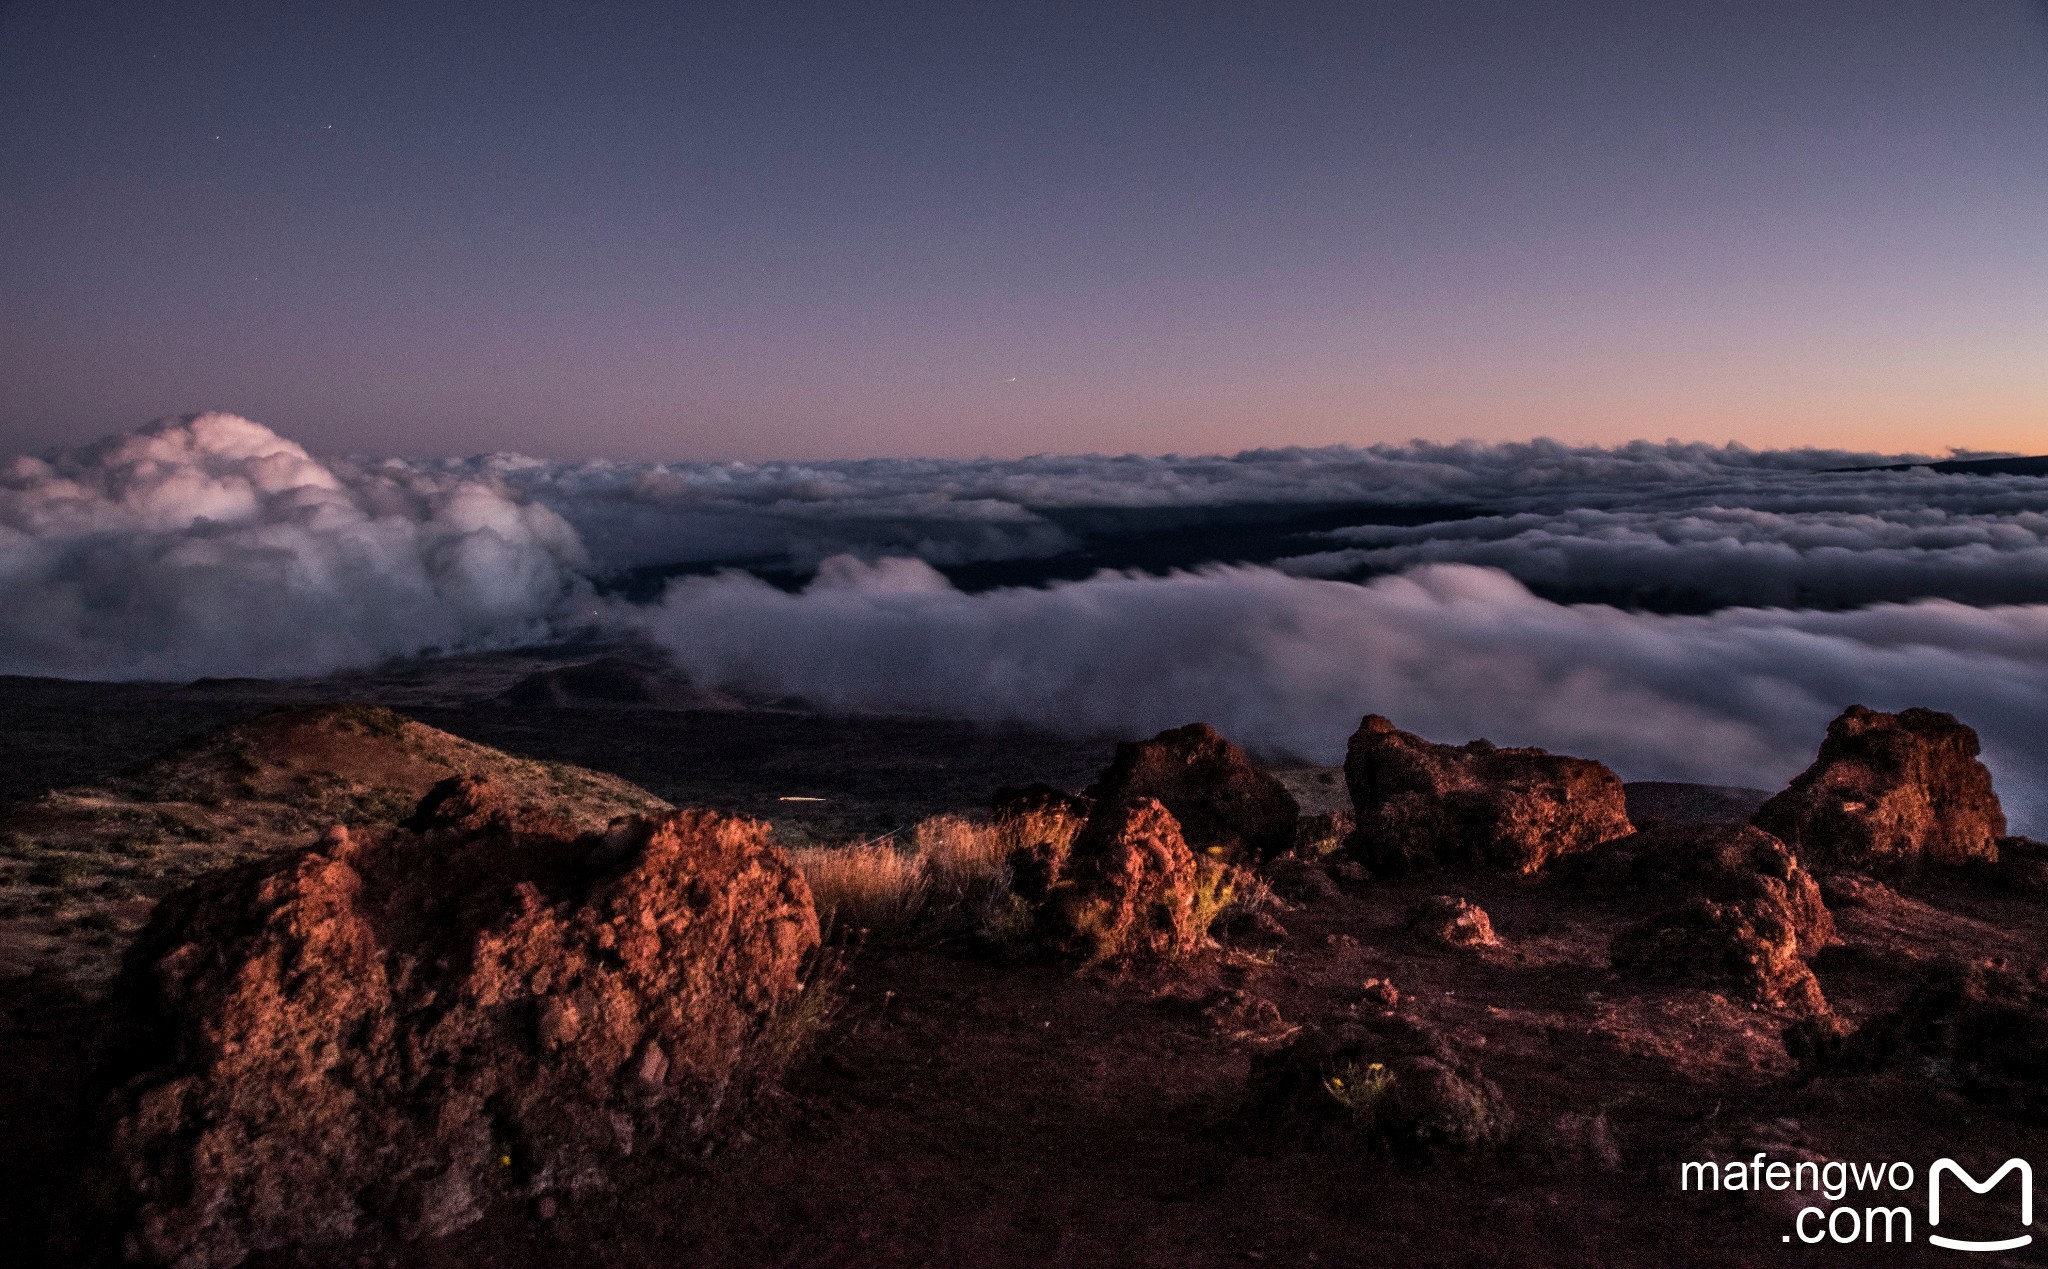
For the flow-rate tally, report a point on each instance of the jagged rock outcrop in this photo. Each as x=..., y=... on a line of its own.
x=396, y=1027
x=1221, y=799
x=2022, y=865
x=1424, y=805
x=1451, y=921
x=1750, y=949
x=1736, y=911
x=1127, y=891
x=1890, y=792
x=1303, y=881
x=1724, y=863
x=1389, y=1077
x=1979, y=1030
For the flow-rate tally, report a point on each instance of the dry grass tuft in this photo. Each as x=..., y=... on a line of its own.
x=877, y=890
x=949, y=867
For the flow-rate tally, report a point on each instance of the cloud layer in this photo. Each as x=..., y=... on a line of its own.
x=210, y=545
x=1713, y=556
x=1288, y=665
x=1686, y=525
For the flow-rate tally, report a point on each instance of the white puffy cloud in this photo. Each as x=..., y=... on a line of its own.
x=210, y=545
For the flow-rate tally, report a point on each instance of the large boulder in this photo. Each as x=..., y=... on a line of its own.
x=1736, y=911
x=1890, y=792
x=1750, y=949
x=396, y=1027
x=1424, y=805
x=1223, y=801
x=1668, y=863
x=1128, y=889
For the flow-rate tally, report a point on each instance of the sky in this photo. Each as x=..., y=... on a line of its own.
x=678, y=232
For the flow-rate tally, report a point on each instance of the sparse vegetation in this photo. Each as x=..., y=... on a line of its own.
x=380, y=806
x=875, y=890
x=1009, y=926
x=1215, y=891
x=950, y=870
x=792, y=1030
x=1360, y=1088
x=372, y=720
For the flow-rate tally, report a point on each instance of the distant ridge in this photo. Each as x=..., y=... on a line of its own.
x=2036, y=466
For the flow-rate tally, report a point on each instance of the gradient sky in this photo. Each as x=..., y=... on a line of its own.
x=667, y=230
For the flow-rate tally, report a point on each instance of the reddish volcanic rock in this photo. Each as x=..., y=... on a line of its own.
x=1323, y=834
x=1452, y=921
x=1128, y=889
x=1423, y=805
x=397, y=1028
x=1751, y=949
x=1889, y=792
x=1219, y=797
x=1743, y=916
x=1725, y=863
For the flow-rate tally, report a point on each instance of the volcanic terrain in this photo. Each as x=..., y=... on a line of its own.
x=346, y=973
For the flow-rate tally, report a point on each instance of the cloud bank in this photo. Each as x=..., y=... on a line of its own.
x=210, y=545
x=1288, y=664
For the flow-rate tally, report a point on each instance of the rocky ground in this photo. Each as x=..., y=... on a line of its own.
x=963, y=1105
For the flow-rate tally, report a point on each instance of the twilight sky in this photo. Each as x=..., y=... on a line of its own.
x=683, y=231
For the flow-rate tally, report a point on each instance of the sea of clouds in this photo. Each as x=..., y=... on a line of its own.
x=211, y=546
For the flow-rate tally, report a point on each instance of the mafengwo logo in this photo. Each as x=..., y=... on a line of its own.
x=1879, y=1206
